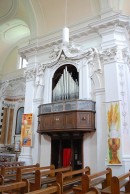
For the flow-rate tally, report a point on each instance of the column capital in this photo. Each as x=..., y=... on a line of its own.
x=30, y=73
x=114, y=54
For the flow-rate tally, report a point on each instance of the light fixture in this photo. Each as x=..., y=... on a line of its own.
x=65, y=32
x=65, y=35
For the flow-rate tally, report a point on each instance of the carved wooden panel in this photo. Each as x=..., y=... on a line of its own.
x=58, y=121
x=71, y=120
x=67, y=121
x=85, y=120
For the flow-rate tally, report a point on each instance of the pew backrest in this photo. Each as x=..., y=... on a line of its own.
x=121, y=181
x=26, y=172
x=42, y=177
x=22, y=185
x=67, y=178
x=107, y=179
x=94, y=179
x=10, y=172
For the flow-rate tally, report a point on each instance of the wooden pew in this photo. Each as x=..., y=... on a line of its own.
x=52, y=189
x=66, y=180
x=21, y=187
x=94, y=180
x=117, y=183
x=29, y=173
x=46, y=177
x=10, y=173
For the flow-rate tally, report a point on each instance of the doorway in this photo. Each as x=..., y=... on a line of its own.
x=67, y=150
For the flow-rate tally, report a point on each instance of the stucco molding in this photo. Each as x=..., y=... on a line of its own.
x=94, y=28
x=30, y=73
x=40, y=70
x=114, y=54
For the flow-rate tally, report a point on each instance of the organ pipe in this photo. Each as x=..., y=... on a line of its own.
x=66, y=88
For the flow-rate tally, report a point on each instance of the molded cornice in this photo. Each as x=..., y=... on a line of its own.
x=93, y=28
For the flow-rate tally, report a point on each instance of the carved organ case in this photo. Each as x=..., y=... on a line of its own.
x=66, y=118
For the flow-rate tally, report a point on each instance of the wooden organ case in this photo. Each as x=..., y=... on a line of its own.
x=66, y=119
x=66, y=122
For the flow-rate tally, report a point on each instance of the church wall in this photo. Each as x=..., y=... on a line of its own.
x=11, y=62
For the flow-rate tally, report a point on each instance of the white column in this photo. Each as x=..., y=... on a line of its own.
x=41, y=149
x=26, y=152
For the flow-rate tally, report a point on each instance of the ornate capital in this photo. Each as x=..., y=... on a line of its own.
x=30, y=74
x=113, y=54
x=127, y=57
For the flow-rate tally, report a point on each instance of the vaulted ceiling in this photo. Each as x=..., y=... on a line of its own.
x=21, y=20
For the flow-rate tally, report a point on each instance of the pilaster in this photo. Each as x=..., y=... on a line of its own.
x=113, y=56
x=26, y=152
x=101, y=133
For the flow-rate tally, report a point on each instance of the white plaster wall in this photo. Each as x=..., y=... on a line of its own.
x=94, y=145
x=36, y=147
x=45, y=153
x=101, y=129
x=111, y=82
x=90, y=150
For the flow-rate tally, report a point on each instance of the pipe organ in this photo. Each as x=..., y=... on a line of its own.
x=67, y=117
x=66, y=87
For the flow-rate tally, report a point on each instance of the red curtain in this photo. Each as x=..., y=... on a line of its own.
x=66, y=157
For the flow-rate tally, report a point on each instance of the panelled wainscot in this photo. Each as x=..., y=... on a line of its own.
x=66, y=122
x=76, y=115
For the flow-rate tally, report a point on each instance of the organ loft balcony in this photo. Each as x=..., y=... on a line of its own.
x=66, y=116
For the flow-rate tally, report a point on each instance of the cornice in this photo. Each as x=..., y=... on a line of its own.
x=117, y=19
x=94, y=28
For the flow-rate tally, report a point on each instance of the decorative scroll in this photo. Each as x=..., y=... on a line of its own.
x=26, y=131
x=66, y=88
x=114, y=141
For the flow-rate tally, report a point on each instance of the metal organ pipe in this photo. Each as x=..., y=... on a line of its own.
x=66, y=87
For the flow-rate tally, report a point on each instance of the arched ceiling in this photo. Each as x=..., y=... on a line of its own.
x=25, y=19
